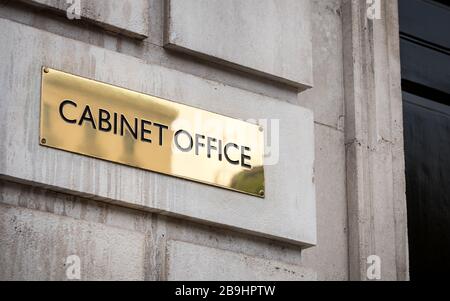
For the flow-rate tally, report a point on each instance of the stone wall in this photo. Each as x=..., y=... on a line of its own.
x=124, y=223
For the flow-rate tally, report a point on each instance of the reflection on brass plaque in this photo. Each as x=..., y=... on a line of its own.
x=115, y=124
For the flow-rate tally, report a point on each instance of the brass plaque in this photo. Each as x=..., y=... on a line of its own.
x=115, y=124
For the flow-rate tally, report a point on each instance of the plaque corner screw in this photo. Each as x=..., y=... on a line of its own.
x=43, y=141
x=261, y=192
x=46, y=70
x=261, y=129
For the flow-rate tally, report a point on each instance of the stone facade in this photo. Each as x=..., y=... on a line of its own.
x=326, y=72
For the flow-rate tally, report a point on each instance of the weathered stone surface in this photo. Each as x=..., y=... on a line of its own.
x=326, y=99
x=288, y=211
x=374, y=142
x=330, y=256
x=191, y=262
x=267, y=37
x=157, y=229
x=35, y=245
x=349, y=51
x=129, y=17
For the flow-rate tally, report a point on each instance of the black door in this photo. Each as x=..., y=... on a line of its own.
x=425, y=55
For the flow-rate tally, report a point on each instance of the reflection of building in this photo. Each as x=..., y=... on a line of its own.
x=325, y=71
x=248, y=179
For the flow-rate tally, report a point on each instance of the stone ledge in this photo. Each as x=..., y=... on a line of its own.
x=108, y=14
x=265, y=37
x=288, y=211
x=191, y=262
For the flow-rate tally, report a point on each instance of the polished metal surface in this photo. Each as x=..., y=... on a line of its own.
x=107, y=122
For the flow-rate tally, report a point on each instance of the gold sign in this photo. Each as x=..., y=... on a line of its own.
x=115, y=124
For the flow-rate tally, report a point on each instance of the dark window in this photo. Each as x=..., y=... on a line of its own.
x=425, y=59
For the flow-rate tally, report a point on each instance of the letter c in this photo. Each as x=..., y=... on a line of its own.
x=61, y=110
x=234, y=162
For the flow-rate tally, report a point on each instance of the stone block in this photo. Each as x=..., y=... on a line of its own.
x=271, y=38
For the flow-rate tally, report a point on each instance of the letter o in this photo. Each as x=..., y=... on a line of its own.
x=191, y=141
